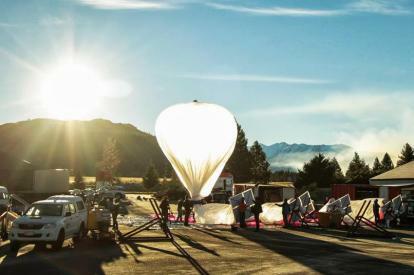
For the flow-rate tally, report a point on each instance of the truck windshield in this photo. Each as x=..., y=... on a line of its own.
x=45, y=210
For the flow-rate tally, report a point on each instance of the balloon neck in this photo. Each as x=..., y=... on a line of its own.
x=195, y=202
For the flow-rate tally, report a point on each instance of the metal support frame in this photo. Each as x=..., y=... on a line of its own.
x=131, y=235
x=306, y=215
x=5, y=219
x=300, y=216
x=361, y=219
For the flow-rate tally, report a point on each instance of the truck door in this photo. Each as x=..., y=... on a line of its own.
x=75, y=218
x=68, y=221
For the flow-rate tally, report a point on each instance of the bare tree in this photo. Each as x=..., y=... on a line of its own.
x=110, y=157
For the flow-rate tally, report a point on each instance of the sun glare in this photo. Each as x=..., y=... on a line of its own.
x=71, y=91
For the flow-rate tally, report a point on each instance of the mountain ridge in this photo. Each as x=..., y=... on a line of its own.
x=285, y=156
x=51, y=143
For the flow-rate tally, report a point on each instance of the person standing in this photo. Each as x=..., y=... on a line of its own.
x=179, y=210
x=376, y=209
x=388, y=215
x=285, y=212
x=242, y=213
x=187, y=210
x=257, y=209
x=165, y=207
x=115, y=211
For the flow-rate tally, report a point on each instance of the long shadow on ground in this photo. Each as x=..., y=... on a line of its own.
x=195, y=244
x=341, y=235
x=85, y=258
x=322, y=256
x=216, y=235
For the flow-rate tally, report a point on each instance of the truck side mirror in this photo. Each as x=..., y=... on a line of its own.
x=68, y=214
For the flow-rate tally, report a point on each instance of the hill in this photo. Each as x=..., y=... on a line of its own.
x=283, y=156
x=50, y=143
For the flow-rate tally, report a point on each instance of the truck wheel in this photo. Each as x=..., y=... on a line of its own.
x=4, y=235
x=80, y=235
x=3, y=231
x=14, y=246
x=59, y=242
x=40, y=246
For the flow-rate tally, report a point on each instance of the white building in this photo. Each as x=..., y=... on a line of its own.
x=399, y=180
x=224, y=182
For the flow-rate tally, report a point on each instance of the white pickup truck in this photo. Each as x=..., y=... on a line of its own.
x=4, y=199
x=50, y=221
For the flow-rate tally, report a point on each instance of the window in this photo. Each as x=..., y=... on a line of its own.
x=45, y=210
x=80, y=205
x=66, y=209
x=72, y=208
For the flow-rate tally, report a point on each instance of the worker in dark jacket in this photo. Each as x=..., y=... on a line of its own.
x=242, y=213
x=388, y=215
x=285, y=212
x=257, y=209
x=179, y=210
x=115, y=211
x=376, y=210
x=165, y=208
x=187, y=210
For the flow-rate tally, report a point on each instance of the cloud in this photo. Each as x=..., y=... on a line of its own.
x=382, y=7
x=356, y=104
x=375, y=141
x=254, y=78
x=129, y=4
x=18, y=60
x=7, y=25
x=379, y=122
x=276, y=11
x=51, y=21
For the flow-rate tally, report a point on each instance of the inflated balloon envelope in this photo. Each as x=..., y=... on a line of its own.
x=198, y=139
x=214, y=213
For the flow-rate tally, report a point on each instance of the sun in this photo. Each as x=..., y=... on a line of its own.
x=71, y=90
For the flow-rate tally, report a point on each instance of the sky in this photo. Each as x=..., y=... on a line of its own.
x=296, y=71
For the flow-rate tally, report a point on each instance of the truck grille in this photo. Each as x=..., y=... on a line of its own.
x=30, y=226
x=31, y=236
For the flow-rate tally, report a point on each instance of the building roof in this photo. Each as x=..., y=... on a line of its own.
x=400, y=176
x=286, y=184
x=226, y=175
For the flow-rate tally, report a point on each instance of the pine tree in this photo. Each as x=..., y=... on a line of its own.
x=358, y=171
x=260, y=167
x=338, y=175
x=168, y=170
x=239, y=163
x=151, y=177
x=318, y=172
x=407, y=155
x=78, y=183
x=387, y=163
x=110, y=157
x=376, y=167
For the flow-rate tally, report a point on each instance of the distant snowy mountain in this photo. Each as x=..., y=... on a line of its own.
x=283, y=156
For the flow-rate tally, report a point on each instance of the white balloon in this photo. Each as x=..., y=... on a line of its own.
x=198, y=139
x=214, y=213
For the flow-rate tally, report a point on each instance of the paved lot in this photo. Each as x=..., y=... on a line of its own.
x=220, y=251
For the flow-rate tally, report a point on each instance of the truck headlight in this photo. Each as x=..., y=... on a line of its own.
x=49, y=226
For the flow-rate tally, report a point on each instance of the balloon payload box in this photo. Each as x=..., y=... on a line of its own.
x=98, y=217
